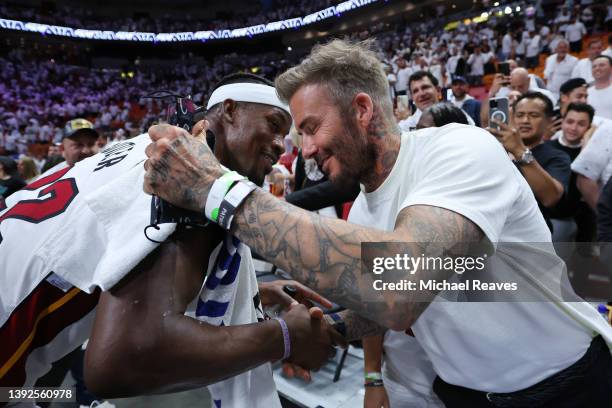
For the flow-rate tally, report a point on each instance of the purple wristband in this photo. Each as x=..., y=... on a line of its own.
x=286, y=338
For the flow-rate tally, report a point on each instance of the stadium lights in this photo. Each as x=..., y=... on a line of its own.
x=507, y=10
x=289, y=49
x=136, y=36
x=517, y=9
x=496, y=4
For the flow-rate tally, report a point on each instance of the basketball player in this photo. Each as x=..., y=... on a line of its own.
x=75, y=263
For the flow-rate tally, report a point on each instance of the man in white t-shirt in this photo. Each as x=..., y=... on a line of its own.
x=507, y=46
x=574, y=32
x=432, y=192
x=403, y=73
x=85, y=229
x=559, y=67
x=594, y=164
x=583, y=68
x=600, y=93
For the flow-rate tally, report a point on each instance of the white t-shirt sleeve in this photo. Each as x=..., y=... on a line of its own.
x=594, y=158
x=466, y=170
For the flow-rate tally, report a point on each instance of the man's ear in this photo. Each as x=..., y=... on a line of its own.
x=229, y=110
x=364, y=109
x=439, y=93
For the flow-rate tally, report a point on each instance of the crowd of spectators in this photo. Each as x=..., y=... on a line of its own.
x=254, y=13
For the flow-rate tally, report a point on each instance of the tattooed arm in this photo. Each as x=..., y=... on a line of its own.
x=325, y=254
x=322, y=253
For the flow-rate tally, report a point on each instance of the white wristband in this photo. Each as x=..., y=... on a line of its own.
x=232, y=200
x=217, y=192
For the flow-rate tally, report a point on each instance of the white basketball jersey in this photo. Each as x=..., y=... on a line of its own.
x=81, y=229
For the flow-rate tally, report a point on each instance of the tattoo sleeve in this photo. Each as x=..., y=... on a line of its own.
x=325, y=254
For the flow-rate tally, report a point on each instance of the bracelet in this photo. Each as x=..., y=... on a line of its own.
x=373, y=376
x=286, y=337
x=232, y=200
x=217, y=193
x=376, y=383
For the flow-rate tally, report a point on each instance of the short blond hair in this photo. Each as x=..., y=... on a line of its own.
x=346, y=68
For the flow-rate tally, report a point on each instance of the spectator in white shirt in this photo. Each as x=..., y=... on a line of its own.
x=563, y=18
x=533, y=50
x=574, y=33
x=559, y=67
x=600, y=93
x=476, y=62
x=507, y=46
x=403, y=73
x=583, y=68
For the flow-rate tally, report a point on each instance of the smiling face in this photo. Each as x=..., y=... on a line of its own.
x=574, y=126
x=331, y=137
x=253, y=139
x=601, y=69
x=424, y=93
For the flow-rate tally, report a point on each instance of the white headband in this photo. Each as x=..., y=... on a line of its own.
x=247, y=92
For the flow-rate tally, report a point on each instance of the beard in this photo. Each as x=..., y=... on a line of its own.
x=355, y=156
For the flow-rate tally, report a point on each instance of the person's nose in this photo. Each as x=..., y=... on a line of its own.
x=309, y=149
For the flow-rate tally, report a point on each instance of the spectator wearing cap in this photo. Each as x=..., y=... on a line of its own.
x=559, y=67
x=460, y=89
x=583, y=68
x=600, y=93
x=79, y=141
x=463, y=100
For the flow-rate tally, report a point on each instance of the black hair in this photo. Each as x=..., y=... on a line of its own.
x=568, y=86
x=548, y=111
x=9, y=165
x=444, y=113
x=604, y=56
x=420, y=75
x=581, y=107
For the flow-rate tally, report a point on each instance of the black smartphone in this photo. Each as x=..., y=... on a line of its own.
x=504, y=68
x=498, y=111
x=557, y=114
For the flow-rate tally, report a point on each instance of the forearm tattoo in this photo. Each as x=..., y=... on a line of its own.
x=325, y=254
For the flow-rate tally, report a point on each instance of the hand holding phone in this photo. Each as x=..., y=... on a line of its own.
x=498, y=111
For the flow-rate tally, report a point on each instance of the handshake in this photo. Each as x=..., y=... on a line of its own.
x=311, y=338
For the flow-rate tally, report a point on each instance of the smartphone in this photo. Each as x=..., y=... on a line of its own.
x=557, y=114
x=449, y=95
x=504, y=68
x=402, y=102
x=498, y=110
